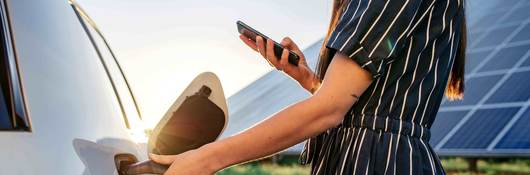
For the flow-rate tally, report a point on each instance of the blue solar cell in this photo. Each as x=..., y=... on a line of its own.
x=520, y=14
x=515, y=89
x=480, y=129
x=475, y=58
x=473, y=37
x=506, y=58
x=496, y=36
x=519, y=134
x=476, y=88
x=523, y=35
x=489, y=19
x=526, y=63
x=443, y=123
x=473, y=34
x=506, y=6
x=509, y=2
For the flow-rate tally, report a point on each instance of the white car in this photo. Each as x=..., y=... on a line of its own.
x=66, y=106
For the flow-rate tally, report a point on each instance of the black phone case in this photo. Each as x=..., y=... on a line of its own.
x=251, y=33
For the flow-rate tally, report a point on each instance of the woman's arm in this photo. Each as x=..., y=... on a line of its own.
x=345, y=80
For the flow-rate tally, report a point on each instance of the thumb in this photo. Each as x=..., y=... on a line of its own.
x=162, y=159
x=289, y=44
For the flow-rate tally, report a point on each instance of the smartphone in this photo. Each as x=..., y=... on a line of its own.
x=251, y=33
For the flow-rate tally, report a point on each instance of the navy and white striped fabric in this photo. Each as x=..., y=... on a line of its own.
x=409, y=47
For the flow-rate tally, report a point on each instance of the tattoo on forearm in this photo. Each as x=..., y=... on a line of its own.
x=355, y=96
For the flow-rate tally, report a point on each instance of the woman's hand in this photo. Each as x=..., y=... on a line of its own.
x=301, y=73
x=191, y=162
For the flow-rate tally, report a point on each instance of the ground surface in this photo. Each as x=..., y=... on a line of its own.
x=454, y=166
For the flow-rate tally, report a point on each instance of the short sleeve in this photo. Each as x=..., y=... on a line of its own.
x=372, y=31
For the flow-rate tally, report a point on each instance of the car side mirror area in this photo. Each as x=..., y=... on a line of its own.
x=197, y=117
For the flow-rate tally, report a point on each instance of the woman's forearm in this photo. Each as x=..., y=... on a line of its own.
x=282, y=130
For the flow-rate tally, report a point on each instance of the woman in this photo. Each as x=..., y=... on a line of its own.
x=382, y=73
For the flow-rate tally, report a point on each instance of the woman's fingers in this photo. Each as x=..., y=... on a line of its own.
x=284, y=61
x=289, y=44
x=250, y=43
x=261, y=46
x=270, y=54
x=162, y=159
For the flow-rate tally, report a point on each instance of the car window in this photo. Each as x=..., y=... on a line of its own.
x=13, y=115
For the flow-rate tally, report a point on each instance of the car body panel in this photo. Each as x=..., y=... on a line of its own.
x=69, y=96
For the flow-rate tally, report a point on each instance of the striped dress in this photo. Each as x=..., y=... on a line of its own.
x=409, y=47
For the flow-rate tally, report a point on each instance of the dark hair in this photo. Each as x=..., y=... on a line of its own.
x=455, y=85
x=325, y=57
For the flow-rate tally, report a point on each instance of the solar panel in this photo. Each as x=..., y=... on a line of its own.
x=480, y=129
x=495, y=36
x=522, y=35
x=497, y=89
x=491, y=18
x=474, y=58
x=520, y=14
x=526, y=62
x=443, y=124
x=509, y=57
x=518, y=137
x=515, y=89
